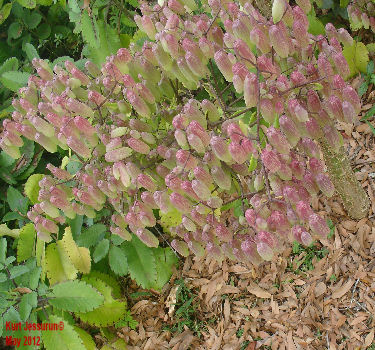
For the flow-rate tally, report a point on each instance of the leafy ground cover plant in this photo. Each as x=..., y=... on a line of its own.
x=152, y=130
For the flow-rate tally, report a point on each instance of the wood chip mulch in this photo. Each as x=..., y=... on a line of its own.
x=278, y=306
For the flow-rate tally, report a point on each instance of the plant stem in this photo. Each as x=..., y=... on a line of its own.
x=354, y=197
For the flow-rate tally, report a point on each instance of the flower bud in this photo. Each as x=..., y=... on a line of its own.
x=181, y=247
x=181, y=203
x=318, y=225
x=270, y=160
x=278, y=10
x=277, y=140
x=221, y=178
x=325, y=184
x=220, y=149
x=250, y=90
x=224, y=65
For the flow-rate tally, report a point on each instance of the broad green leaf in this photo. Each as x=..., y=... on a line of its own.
x=107, y=279
x=32, y=187
x=86, y=338
x=118, y=261
x=10, y=216
x=63, y=339
x=18, y=270
x=316, y=27
x=170, y=219
x=79, y=256
x=43, y=31
x=28, y=302
x=107, y=314
x=9, y=64
x=76, y=225
x=5, y=12
x=90, y=236
x=89, y=30
x=34, y=277
x=31, y=51
x=357, y=57
x=14, y=30
x=5, y=231
x=13, y=80
x=165, y=259
x=141, y=262
x=58, y=266
x=30, y=4
x=17, y=202
x=26, y=242
x=115, y=344
x=101, y=250
x=370, y=68
x=75, y=296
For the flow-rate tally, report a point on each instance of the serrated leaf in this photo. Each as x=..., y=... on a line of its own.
x=18, y=270
x=13, y=80
x=115, y=344
x=58, y=266
x=31, y=51
x=5, y=12
x=101, y=250
x=86, y=338
x=107, y=314
x=117, y=261
x=26, y=242
x=79, y=256
x=65, y=339
x=27, y=303
x=32, y=187
x=76, y=225
x=141, y=262
x=362, y=89
x=165, y=259
x=107, y=279
x=16, y=201
x=90, y=237
x=89, y=30
x=34, y=277
x=75, y=296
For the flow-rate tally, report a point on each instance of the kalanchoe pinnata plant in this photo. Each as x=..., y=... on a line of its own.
x=146, y=141
x=362, y=14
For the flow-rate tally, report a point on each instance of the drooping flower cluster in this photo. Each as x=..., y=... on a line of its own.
x=146, y=140
x=362, y=14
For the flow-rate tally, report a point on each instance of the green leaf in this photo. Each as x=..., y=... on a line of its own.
x=16, y=201
x=58, y=266
x=357, y=57
x=76, y=225
x=33, y=19
x=28, y=302
x=316, y=27
x=101, y=250
x=134, y=3
x=9, y=64
x=3, y=250
x=18, y=270
x=344, y=3
x=91, y=236
x=30, y=4
x=371, y=127
x=43, y=31
x=370, y=113
x=165, y=259
x=89, y=30
x=141, y=262
x=32, y=187
x=26, y=242
x=10, y=216
x=107, y=314
x=5, y=12
x=6, y=231
x=118, y=261
x=63, y=339
x=13, y=80
x=75, y=296
x=86, y=338
x=370, y=68
x=363, y=88
x=31, y=51
x=34, y=277
x=44, y=2
x=14, y=30
x=79, y=256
